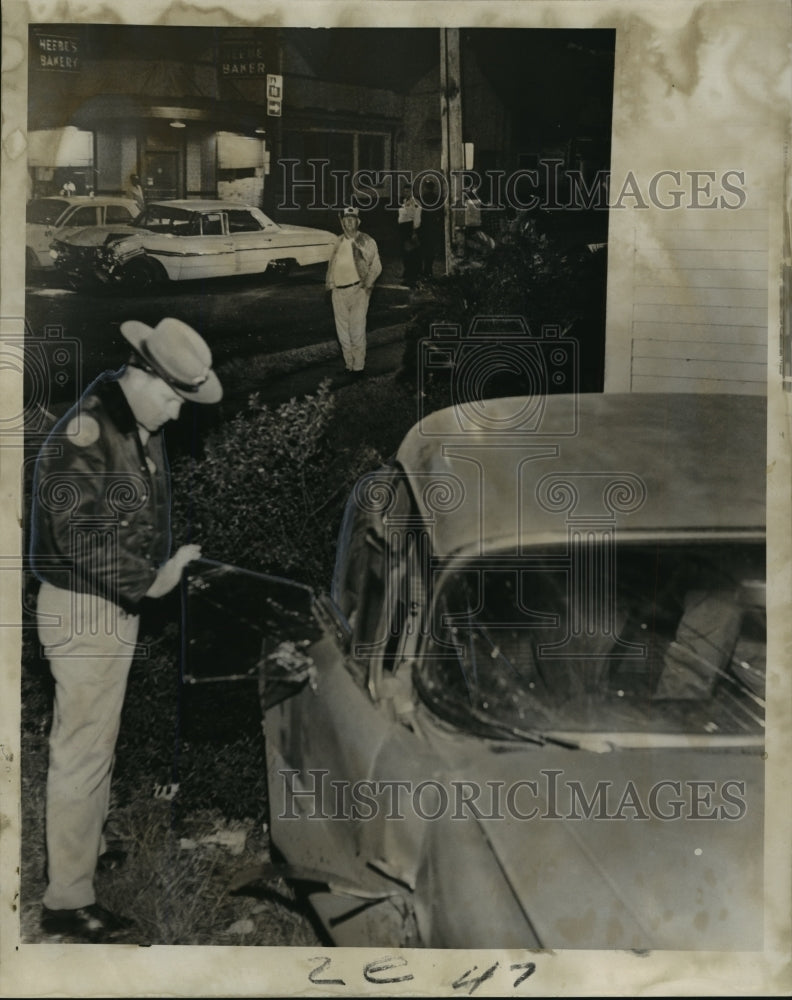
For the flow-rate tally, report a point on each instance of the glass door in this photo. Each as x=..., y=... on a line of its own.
x=161, y=176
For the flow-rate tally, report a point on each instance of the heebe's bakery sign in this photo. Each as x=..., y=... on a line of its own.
x=51, y=51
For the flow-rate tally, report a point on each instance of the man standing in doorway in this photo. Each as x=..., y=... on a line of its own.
x=135, y=191
x=353, y=268
x=100, y=544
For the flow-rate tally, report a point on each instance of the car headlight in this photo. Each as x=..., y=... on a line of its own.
x=107, y=254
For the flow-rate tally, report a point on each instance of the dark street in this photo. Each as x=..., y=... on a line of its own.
x=269, y=335
x=241, y=318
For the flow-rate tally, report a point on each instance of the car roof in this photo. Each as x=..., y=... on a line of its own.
x=87, y=199
x=200, y=204
x=492, y=475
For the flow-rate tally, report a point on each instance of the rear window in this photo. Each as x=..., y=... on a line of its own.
x=46, y=211
x=117, y=213
x=83, y=216
x=240, y=221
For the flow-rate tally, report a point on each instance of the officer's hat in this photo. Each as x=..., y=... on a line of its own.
x=178, y=355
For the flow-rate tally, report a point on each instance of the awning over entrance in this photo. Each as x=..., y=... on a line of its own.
x=242, y=117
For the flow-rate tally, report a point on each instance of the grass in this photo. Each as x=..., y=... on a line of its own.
x=379, y=412
x=175, y=883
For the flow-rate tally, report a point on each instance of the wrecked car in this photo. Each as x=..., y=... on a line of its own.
x=187, y=239
x=47, y=218
x=529, y=713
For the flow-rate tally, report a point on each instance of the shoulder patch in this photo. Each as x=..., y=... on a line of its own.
x=83, y=431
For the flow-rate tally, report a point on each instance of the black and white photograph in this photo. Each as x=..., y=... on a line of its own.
x=396, y=406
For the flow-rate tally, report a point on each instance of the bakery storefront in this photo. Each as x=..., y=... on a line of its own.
x=183, y=109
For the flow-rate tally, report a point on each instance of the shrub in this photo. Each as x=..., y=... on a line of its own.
x=147, y=741
x=531, y=276
x=268, y=491
x=267, y=495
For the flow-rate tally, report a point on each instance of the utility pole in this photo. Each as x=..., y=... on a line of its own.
x=275, y=136
x=453, y=154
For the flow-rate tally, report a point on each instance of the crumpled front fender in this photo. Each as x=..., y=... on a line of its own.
x=118, y=252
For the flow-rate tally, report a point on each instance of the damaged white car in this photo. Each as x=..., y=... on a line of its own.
x=187, y=240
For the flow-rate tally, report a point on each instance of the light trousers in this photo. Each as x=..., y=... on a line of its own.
x=89, y=643
x=350, y=306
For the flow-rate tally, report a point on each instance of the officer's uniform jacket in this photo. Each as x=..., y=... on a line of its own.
x=365, y=255
x=101, y=502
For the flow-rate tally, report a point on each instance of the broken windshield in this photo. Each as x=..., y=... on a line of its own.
x=644, y=638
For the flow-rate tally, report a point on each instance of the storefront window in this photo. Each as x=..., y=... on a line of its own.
x=371, y=152
x=348, y=151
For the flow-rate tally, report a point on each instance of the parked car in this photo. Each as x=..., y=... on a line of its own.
x=48, y=217
x=188, y=240
x=530, y=712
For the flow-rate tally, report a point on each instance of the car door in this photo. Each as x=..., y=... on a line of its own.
x=255, y=240
x=234, y=618
x=204, y=250
x=330, y=729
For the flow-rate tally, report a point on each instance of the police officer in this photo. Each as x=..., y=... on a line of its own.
x=353, y=268
x=100, y=544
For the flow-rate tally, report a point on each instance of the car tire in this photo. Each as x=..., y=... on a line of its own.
x=140, y=275
x=281, y=268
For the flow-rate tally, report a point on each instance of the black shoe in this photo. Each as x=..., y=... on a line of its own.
x=89, y=923
x=111, y=860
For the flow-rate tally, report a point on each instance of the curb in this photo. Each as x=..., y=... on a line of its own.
x=285, y=362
